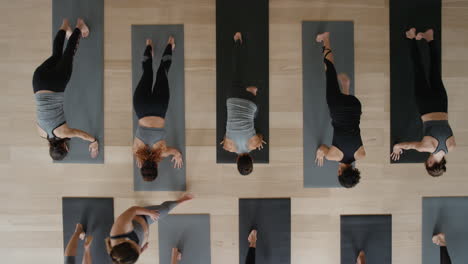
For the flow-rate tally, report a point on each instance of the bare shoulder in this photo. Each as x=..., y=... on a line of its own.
x=334, y=153
x=360, y=153
x=427, y=144
x=451, y=144
x=64, y=131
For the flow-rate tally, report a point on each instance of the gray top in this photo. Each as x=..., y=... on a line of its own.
x=240, y=122
x=50, y=114
x=440, y=130
x=139, y=232
x=150, y=135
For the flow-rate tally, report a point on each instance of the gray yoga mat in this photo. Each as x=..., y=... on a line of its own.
x=169, y=179
x=448, y=215
x=97, y=216
x=371, y=233
x=84, y=103
x=190, y=234
x=272, y=219
x=317, y=122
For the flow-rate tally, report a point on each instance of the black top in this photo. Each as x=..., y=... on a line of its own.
x=441, y=131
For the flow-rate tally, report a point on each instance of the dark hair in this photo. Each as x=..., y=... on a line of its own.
x=245, y=164
x=149, y=170
x=58, y=148
x=437, y=169
x=349, y=177
x=124, y=253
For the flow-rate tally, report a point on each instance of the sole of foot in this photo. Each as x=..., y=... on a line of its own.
x=361, y=258
x=428, y=35
x=322, y=37
x=238, y=36
x=252, y=236
x=66, y=26
x=411, y=34
x=83, y=27
x=439, y=239
x=171, y=41
x=186, y=197
x=149, y=42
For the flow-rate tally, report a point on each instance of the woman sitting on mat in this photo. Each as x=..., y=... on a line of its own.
x=71, y=249
x=130, y=232
x=431, y=99
x=345, y=112
x=241, y=137
x=49, y=82
x=149, y=145
x=250, y=259
x=176, y=256
x=440, y=241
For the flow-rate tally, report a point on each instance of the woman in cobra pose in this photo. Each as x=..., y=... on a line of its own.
x=149, y=145
x=71, y=249
x=432, y=102
x=241, y=137
x=130, y=232
x=49, y=82
x=345, y=111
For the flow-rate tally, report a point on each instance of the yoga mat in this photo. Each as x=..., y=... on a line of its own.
x=447, y=215
x=169, y=178
x=272, y=219
x=250, y=18
x=190, y=234
x=317, y=122
x=406, y=124
x=84, y=103
x=97, y=216
x=371, y=233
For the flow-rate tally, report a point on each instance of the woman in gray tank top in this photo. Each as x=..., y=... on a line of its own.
x=432, y=103
x=49, y=82
x=150, y=104
x=72, y=247
x=241, y=136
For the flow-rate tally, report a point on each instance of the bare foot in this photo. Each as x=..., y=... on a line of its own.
x=171, y=41
x=252, y=238
x=361, y=259
x=83, y=27
x=88, y=242
x=185, y=197
x=66, y=26
x=411, y=34
x=252, y=89
x=439, y=240
x=428, y=35
x=238, y=36
x=79, y=230
x=149, y=42
x=322, y=37
x=345, y=82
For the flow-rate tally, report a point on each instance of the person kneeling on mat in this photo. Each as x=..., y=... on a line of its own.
x=432, y=103
x=440, y=241
x=345, y=112
x=130, y=232
x=241, y=136
x=150, y=104
x=71, y=249
x=49, y=82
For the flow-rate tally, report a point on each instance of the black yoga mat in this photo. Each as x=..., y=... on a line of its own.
x=190, y=234
x=250, y=18
x=272, y=219
x=84, y=103
x=447, y=215
x=169, y=178
x=371, y=233
x=317, y=122
x=405, y=122
x=97, y=216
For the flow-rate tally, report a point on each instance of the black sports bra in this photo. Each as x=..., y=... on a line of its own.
x=348, y=142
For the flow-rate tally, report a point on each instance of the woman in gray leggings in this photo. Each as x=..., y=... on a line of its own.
x=130, y=232
x=71, y=250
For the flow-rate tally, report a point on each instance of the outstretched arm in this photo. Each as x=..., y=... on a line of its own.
x=416, y=145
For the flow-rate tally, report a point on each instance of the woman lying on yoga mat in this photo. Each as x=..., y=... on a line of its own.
x=71, y=249
x=431, y=99
x=440, y=241
x=345, y=112
x=130, y=232
x=150, y=104
x=250, y=259
x=49, y=82
x=241, y=137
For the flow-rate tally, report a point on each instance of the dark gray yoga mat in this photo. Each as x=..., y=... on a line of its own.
x=405, y=124
x=317, y=122
x=97, y=216
x=253, y=23
x=190, y=234
x=371, y=233
x=84, y=103
x=272, y=219
x=169, y=179
x=448, y=215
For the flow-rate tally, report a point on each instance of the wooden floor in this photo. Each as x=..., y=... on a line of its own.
x=31, y=186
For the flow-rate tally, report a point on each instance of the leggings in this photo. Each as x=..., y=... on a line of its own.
x=250, y=256
x=148, y=101
x=238, y=88
x=163, y=210
x=55, y=73
x=430, y=94
x=69, y=260
x=444, y=256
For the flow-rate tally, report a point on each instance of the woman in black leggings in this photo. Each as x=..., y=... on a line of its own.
x=150, y=104
x=345, y=112
x=49, y=82
x=440, y=241
x=432, y=102
x=250, y=259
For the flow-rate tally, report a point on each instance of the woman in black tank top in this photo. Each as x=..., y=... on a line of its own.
x=345, y=111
